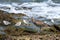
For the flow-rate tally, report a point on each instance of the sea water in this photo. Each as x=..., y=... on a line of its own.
x=48, y=9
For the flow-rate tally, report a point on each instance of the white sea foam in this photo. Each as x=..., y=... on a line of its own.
x=47, y=9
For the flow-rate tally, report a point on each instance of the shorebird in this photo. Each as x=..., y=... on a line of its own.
x=6, y=22
x=52, y=20
x=39, y=23
x=26, y=22
x=18, y=24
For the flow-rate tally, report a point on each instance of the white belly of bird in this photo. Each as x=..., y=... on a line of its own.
x=25, y=21
x=18, y=24
x=6, y=22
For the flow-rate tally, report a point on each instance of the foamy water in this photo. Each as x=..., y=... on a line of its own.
x=46, y=9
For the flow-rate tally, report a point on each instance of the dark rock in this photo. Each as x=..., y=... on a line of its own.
x=57, y=27
x=27, y=8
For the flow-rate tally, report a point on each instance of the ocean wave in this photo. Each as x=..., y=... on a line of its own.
x=49, y=9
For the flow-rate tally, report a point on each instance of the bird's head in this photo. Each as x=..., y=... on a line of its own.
x=33, y=20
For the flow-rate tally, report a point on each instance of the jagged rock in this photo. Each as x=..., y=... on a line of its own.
x=6, y=17
x=57, y=27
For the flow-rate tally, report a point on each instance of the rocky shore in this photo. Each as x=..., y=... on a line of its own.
x=21, y=24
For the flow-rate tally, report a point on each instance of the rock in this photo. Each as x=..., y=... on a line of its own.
x=52, y=28
x=11, y=18
x=1, y=11
x=57, y=27
x=6, y=18
x=4, y=7
x=25, y=8
x=2, y=33
x=17, y=15
x=45, y=29
x=30, y=28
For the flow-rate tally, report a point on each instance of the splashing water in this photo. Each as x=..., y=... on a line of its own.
x=47, y=9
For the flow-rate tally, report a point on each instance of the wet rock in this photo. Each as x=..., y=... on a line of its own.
x=57, y=27
x=27, y=8
x=52, y=28
x=2, y=32
x=49, y=23
x=45, y=29
x=4, y=7
x=23, y=29
x=1, y=11
x=17, y=15
x=30, y=28
x=48, y=30
x=11, y=30
x=17, y=8
x=6, y=18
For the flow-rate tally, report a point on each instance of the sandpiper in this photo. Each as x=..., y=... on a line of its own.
x=6, y=22
x=18, y=24
x=39, y=23
x=25, y=21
